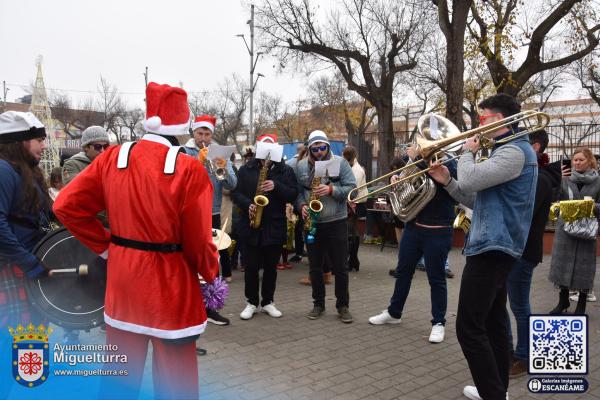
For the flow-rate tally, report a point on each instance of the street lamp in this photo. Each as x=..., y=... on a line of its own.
x=253, y=62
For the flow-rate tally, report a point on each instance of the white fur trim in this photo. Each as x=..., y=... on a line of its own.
x=167, y=130
x=203, y=124
x=159, y=333
x=151, y=137
x=123, y=159
x=171, y=160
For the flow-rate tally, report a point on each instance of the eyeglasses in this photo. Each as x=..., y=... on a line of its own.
x=98, y=146
x=317, y=149
x=483, y=118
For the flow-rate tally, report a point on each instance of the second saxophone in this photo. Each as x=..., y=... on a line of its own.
x=314, y=209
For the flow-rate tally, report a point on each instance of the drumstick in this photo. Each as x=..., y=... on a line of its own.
x=81, y=270
x=223, y=230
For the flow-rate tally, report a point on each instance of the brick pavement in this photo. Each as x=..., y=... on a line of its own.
x=296, y=358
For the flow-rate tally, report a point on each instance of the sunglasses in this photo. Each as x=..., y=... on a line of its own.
x=317, y=149
x=483, y=118
x=99, y=147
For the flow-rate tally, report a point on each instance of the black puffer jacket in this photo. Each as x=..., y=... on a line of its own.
x=272, y=230
x=548, y=180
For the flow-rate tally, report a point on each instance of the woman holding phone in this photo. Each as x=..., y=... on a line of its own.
x=573, y=264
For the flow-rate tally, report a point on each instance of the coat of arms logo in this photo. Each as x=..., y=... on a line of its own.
x=30, y=360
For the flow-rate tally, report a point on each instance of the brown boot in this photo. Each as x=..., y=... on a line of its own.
x=327, y=278
x=305, y=281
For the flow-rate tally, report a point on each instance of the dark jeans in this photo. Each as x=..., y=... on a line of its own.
x=331, y=240
x=481, y=326
x=299, y=236
x=224, y=258
x=433, y=244
x=518, y=288
x=265, y=257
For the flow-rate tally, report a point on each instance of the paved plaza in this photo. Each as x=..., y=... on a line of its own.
x=296, y=358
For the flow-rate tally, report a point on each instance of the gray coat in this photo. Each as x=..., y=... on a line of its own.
x=573, y=262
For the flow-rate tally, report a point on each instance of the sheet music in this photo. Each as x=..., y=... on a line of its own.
x=263, y=149
x=329, y=168
x=219, y=151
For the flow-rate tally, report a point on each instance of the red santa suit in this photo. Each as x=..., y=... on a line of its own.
x=148, y=292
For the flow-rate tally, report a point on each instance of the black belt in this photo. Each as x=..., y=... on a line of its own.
x=146, y=246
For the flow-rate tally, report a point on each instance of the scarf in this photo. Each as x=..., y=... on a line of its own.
x=585, y=178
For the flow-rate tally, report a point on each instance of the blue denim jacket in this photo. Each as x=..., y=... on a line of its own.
x=228, y=183
x=502, y=213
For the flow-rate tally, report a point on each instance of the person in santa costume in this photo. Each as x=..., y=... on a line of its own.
x=158, y=203
x=202, y=130
x=263, y=244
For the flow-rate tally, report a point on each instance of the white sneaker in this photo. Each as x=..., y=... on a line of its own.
x=591, y=297
x=471, y=392
x=248, y=312
x=272, y=310
x=437, y=333
x=384, y=318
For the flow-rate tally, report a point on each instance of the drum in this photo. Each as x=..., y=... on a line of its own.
x=69, y=300
x=221, y=239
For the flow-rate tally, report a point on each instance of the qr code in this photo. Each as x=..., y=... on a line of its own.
x=558, y=345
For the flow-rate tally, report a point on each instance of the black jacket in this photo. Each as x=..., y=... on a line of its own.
x=548, y=180
x=272, y=230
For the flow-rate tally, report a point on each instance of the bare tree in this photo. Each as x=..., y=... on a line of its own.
x=111, y=106
x=368, y=41
x=453, y=23
x=228, y=103
x=132, y=119
x=586, y=72
x=495, y=21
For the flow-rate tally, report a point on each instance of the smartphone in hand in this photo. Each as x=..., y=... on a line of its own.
x=565, y=166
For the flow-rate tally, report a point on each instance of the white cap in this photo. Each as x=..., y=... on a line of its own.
x=16, y=126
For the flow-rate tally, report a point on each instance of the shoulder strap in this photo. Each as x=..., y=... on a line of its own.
x=172, y=159
x=123, y=160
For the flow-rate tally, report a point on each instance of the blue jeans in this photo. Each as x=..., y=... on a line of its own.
x=518, y=287
x=434, y=245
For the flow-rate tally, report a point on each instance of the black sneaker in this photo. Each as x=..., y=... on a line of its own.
x=392, y=272
x=296, y=258
x=449, y=274
x=315, y=313
x=215, y=318
x=345, y=315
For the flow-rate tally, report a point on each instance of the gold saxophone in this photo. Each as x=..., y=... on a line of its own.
x=260, y=200
x=314, y=208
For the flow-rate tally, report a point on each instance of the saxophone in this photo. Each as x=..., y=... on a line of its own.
x=260, y=200
x=314, y=209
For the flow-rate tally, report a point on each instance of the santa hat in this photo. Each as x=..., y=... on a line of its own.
x=167, y=110
x=16, y=126
x=317, y=136
x=205, y=121
x=267, y=138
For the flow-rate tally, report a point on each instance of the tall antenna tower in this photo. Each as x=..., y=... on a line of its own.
x=41, y=109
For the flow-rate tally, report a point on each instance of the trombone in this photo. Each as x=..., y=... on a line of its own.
x=430, y=146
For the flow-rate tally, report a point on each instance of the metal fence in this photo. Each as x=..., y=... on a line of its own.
x=565, y=138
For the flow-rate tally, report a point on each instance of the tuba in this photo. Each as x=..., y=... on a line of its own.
x=260, y=200
x=314, y=209
x=410, y=196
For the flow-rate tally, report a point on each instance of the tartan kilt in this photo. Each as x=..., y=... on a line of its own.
x=14, y=306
